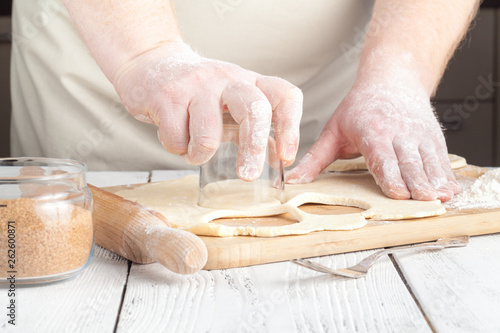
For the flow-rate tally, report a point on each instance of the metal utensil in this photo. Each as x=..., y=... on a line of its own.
x=361, y=269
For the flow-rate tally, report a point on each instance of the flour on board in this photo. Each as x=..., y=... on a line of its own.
x=484, y=193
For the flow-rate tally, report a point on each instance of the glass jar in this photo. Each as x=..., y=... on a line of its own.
x=221, y=188
x=46, y=225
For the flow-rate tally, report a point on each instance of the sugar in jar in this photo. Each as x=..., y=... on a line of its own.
x=46, y=225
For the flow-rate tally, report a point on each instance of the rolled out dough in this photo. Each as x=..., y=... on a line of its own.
x=359, y=163
x=177, y=201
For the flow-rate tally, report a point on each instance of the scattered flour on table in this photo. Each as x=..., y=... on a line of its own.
x=483, y=193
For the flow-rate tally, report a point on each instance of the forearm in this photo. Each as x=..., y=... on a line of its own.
x=414, y=37
x=116, y=31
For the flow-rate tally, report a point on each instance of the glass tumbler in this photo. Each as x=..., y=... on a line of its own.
x=221, y=188
x=46, y=225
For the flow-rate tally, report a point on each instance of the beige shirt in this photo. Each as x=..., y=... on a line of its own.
x=63, y=106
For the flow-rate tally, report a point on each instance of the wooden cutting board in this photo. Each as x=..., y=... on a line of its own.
x=228, y=252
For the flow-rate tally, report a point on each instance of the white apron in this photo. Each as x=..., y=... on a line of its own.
x=63, y=106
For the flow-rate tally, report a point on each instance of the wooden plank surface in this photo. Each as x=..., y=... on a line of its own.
x=458, y=289
x=87, y=303
x=229, y=252
x=279, y=297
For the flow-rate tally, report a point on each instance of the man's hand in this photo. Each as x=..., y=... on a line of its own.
x=395, y=129
x=137, y=45
x=387, y=116
x=186, y=94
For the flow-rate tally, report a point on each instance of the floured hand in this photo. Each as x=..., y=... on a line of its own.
x=185, y=95
x=394, y=127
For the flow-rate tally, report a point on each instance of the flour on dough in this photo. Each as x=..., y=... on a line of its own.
x=177, y=201
x=359, y=163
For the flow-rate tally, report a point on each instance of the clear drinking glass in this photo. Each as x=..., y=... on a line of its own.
x=220, y=187
x=46, y=225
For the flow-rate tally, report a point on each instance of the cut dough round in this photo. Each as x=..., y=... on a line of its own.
x=359, y=163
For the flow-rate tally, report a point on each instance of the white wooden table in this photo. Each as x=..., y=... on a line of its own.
x=453, y=290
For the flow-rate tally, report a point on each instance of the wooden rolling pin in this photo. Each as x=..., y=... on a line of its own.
x=143, y=235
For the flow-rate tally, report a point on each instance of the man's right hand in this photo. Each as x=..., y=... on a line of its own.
x=185, y=95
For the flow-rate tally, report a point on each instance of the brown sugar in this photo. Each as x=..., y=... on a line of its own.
x=50, y=237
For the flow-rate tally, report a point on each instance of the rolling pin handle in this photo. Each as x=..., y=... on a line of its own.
x=180, y=251
x=141, y=234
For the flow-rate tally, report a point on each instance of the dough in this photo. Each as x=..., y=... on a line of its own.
x=177, y=201
x=240, y=194
x=359, y=163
